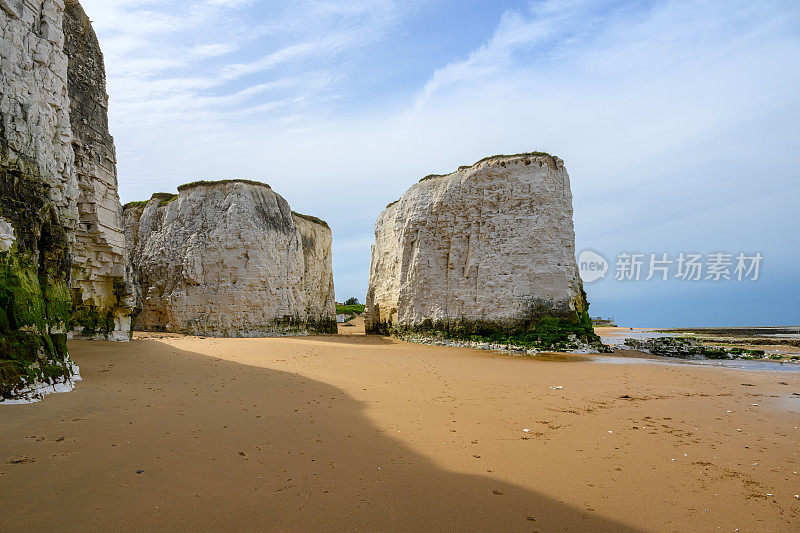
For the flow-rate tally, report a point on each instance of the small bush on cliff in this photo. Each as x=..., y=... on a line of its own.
x=350, y=307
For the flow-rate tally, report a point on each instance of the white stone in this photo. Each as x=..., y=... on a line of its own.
x=6, y=235
x=491, y=242
x=230, y=259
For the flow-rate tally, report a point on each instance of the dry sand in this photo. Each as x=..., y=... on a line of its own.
x=354, y=327
x=366, y=433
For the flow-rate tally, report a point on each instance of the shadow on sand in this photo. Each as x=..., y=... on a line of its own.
x=220, y=445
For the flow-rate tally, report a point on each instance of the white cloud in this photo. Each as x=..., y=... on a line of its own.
x=659, y=111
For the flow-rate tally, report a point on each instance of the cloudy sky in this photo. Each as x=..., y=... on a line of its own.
x=677, y=120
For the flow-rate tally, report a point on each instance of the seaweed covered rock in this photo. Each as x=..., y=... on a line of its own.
x=230, y=259
x=688, y=348
x=668, y=347
x=38, y=192
x=486, y=253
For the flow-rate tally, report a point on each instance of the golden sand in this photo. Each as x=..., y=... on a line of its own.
x=366, y=433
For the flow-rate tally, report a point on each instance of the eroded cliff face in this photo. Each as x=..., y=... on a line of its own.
x=38, y=193
x=102, y=292
x=317, y=241
x=40, y=187
x=487, y=251
x=230, y=259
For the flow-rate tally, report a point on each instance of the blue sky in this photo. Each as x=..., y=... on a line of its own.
x=677, y=120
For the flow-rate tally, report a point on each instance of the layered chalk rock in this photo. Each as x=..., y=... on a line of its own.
x=103, y=294
x=230, y=259
x=487, y=252
x=41, y=186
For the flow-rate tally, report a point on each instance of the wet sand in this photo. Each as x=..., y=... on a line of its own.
x=366, y=433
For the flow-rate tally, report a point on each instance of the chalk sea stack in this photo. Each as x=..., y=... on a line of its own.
x=229, y=258
x=484, y=253
x=63, y=269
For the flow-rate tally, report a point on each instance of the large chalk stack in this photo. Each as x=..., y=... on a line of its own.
x=231, y=259
x=486, y=251
x=48, y=101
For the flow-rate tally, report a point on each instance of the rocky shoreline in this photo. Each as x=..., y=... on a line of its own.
x=689, y=348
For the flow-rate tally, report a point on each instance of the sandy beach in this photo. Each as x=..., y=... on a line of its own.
x=368, y=433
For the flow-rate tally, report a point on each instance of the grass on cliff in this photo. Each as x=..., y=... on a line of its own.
x=137, y=203
x=310, y=218
x=165, y=197
x=549, y=157
x=202, y=183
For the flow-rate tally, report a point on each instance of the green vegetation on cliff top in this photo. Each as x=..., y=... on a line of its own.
x=351, y=310
x=492, y=158
x=310, y=218
x=204, y=183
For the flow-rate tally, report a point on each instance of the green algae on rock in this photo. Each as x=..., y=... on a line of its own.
x=35, y=302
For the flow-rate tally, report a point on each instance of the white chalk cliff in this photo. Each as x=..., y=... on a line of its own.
x=230, y=259
x=102, y=293
x=489, y=247
x=62, y=259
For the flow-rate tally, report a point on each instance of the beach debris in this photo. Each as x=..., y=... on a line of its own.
x=558, y=387
x=526, y=430
x=497, y=492
x=140, y=471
